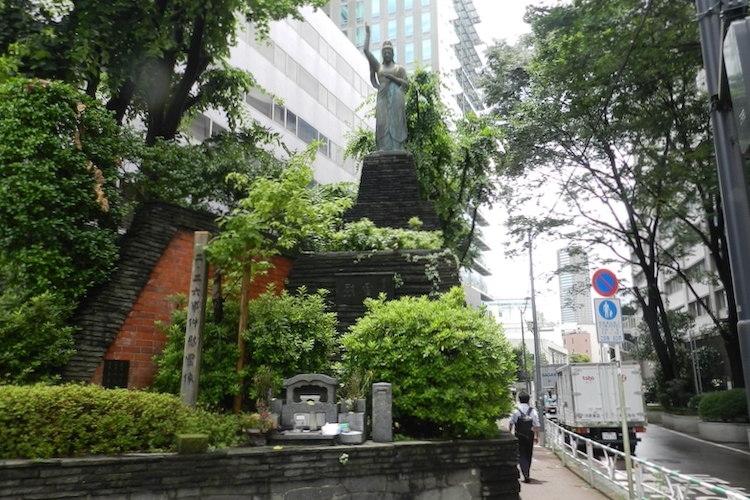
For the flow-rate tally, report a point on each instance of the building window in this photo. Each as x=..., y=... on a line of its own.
x=359, y=39
x=279, y=115
x=391, y=6
x=395, y=53
x=720, y=298
x=375, y=8
x=409, y=53
x=425, y=2
x=408, y=25
x=392, y=29
x=408, y=4
x=673, y=285
x=291, y=122
x=375, y=33
x=360, y=12
x=306, y=132
x=115, y=374
x=344, y=15
x=323, y=148
x=260, y=101
x=426, y=49
x=376, y=54
x=425, y=22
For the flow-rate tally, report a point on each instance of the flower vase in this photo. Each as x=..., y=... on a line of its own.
x=255, y=437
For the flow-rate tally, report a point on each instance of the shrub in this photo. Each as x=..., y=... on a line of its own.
x=218, y=379
x=223, y=429
x=724, y=406
x=286, y=335
x=290, y=334
x=35, y=341
x=46, y=421
x=449, y=365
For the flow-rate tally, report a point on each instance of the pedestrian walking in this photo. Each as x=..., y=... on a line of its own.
x=525, y=421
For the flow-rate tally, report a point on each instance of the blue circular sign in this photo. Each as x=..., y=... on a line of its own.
x=608, y=310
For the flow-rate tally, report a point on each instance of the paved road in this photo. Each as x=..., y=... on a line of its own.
x=726, y=466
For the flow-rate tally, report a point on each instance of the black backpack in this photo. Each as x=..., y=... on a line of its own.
x=525, y=425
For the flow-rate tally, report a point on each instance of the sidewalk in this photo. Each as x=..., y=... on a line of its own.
x=551, y=481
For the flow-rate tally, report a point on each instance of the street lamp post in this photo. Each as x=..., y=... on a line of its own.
x=523, y=348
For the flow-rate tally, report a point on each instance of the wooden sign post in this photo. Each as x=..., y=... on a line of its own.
x=191, y=361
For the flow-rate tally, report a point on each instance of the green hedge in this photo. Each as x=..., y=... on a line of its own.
x=724, y=406
x=67, y=420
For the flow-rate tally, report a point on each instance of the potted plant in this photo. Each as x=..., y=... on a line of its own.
x=257, y=426
x=353, y=392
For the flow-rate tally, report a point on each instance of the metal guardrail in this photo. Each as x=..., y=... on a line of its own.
x=648, y=482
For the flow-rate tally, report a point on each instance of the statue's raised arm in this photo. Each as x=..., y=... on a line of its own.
x=374, y=64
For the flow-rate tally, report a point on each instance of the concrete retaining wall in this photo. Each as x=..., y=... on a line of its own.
x=394, y=471
x=721, y=432
x=680, y=423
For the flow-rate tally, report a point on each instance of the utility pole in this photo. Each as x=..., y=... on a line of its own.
x=523, y=348
x=713, y=18
x=537, y=348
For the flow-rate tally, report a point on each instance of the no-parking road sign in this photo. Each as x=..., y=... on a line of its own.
x=605, y=282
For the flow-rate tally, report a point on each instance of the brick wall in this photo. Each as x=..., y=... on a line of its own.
x=116, y=320
x=139, y=340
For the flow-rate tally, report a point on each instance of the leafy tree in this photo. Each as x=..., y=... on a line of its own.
x=523, y=371
x=577, y=357
x=449, y=364
x=455, y=159
x=194, y=175
x=60, y=206
x=275, y=214
x=620, y=130
x=159, y=60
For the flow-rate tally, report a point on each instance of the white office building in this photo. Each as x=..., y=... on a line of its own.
x=314, y=73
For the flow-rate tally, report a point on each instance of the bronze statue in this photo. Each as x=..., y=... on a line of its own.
x=391, y=81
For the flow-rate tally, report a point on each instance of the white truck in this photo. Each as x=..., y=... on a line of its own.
x=588, y=401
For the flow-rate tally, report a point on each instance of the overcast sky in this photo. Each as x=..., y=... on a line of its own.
x=503, y=19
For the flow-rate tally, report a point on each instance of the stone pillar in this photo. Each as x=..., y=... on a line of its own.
x=382, y=415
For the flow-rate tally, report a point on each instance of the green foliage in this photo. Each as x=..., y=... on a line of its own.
x=194, y=175
x=286, y=335
x=223, y=429
x=724, y=406
x=449, y=364
x=523, y=372
x=275, y=214
x=218, y=381
x=290, y=334
x=606, y=133
x=364, y=235
x=69, y=420
x=35, y=341
x=162, y=61
x=59, y=202
x=576, y=357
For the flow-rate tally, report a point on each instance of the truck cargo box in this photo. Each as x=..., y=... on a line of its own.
x=588, y=395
